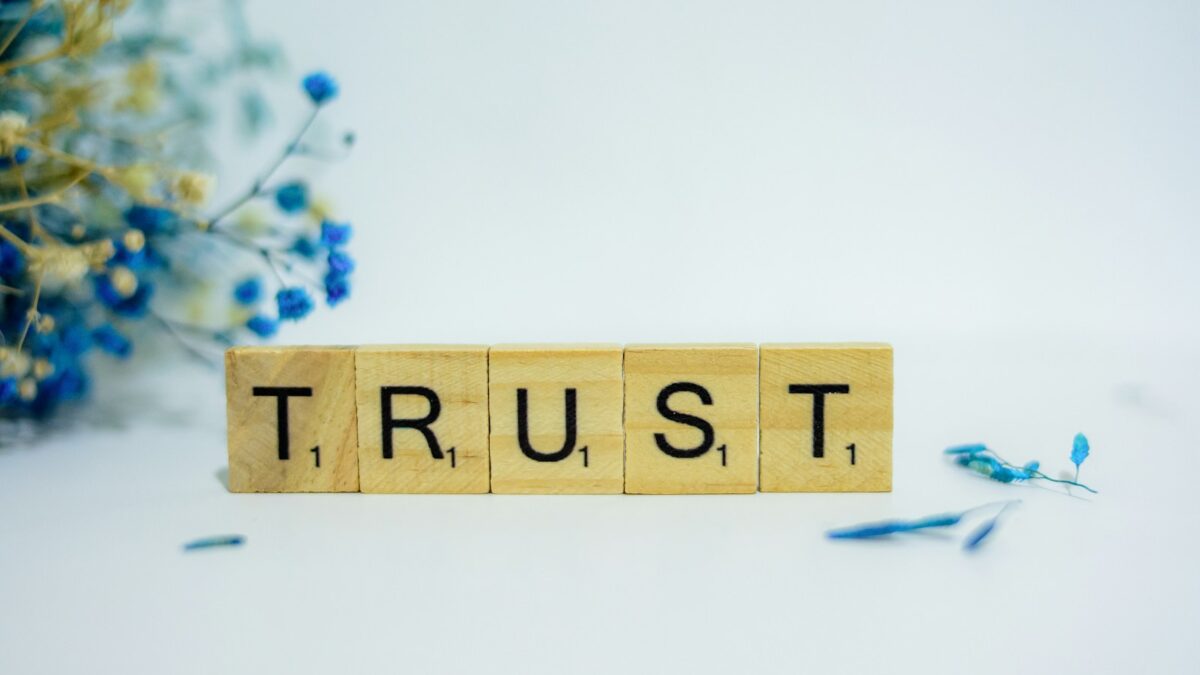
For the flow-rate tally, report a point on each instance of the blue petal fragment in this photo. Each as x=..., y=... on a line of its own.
x=886, y=527
x=969, y=449
x=981, y=533
x=1080, y=450
x=213, y=542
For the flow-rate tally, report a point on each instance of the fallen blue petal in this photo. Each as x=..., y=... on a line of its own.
x=1080, y=450
x=886, y=527
x=981, y=533
x=969, y=449
x=214, y=542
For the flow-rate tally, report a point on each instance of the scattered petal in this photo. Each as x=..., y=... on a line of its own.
x=1080, y=450
x=215, y=542
x=886, y=527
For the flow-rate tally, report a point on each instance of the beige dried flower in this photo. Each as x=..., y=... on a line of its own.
x=13, y=127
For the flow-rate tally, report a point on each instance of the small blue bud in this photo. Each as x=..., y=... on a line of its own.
x=337, y=289
x=292, y=197
x=263, y=327
x=294, y=303
x=334, y=234
x=8, y=390
x=248, y=291
x=320, y=87
x=340, y=263
x=110, y=340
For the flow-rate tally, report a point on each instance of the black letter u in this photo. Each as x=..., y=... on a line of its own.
x=523, y=429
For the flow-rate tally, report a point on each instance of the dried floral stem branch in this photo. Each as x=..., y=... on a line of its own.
x=13, y=239
x=32, y=315
x=173, y=331
x=48, y=55
x=20, y=25
x=73, y=160
x=256, y=189
x=34, y=224
x=44, y=199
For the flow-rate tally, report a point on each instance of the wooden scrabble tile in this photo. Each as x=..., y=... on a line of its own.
x=691, y=419
x=291, y=419
x=556, y=419
x=826, y=417
x=422, y=418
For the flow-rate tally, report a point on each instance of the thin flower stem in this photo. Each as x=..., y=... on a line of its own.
x=1043, y=476
x=32, y=315
x=15, y=240
x=67, y=157
x=44, y=199
x=34, y=224
x=10, y=290
x=257, y=188
x=191, y=350
x=16, y=30
x=266, y=255
x=49, y=55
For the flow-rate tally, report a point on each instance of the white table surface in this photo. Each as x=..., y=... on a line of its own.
x=93, y=579
x=1005, y=191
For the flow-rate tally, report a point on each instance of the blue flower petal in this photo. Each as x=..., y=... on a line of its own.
x=334, y=234
x=110, y=340
x=262, y=326
x=1080, y=450
x=294, y=303
x=248, y=291
x=320, y=87
x=292, y=197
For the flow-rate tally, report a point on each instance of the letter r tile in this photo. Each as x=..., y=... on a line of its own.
x=291, y=419
x=423, y=418
x=826, y=417
x=556, y=419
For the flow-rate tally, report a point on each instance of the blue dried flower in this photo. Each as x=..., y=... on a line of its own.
x=337, y=289
x=320, y=87
x=74, y=338
x=292, y=197
x=294, y=303
x=982, y=460
x=340, y=263
x=110, y=340
x=8, y=390
x=133, y=306
x=12, y=263
x=263, y=327
x=248, y=291
x=334, y=234
x=304, y=247
x=20, y=156
x=149, y=219
x=148, y=209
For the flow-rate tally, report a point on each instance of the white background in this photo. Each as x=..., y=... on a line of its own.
x=1004, y=191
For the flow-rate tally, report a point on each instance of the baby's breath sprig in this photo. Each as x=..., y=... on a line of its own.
x=104, y=236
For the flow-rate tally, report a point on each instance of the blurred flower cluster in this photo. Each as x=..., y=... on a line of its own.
x=107, y=234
